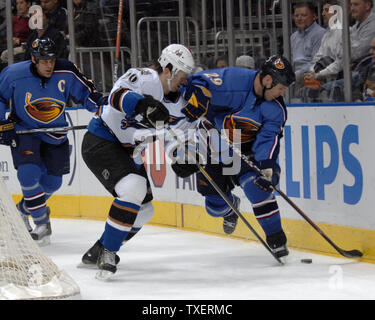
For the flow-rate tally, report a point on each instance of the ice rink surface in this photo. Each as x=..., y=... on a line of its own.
x=172, y=264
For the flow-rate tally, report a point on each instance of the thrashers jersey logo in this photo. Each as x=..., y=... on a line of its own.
x=248, y=128
x=44, y=110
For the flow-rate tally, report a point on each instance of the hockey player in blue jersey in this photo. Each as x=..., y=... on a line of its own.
x=38, y=91
x=251, y=101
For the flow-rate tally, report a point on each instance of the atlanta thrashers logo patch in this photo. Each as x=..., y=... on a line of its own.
x=279, y=64
x=44, y=110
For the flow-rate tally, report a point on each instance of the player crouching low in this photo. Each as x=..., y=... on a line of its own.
x=250, y=101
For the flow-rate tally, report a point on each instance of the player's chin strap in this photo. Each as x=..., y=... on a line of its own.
x=169, y=80
x=265, y=88
x=348, y=254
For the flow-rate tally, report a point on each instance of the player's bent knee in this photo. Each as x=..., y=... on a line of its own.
x=216, y=206
x=28, y=175
x=132, y=188
x=51, y=183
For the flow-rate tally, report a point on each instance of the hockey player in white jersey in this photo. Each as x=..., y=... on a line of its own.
x=134, y=106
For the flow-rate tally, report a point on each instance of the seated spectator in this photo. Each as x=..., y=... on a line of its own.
x=48, y=31
x=305, y=42
x=363, y=81
x=327, y=63
x=55, y=13
x=85, y=23
x=328, y=59
x=364, y=77
x=21, y=31
x=363, y=30
x=245, y=61
x=221, y=62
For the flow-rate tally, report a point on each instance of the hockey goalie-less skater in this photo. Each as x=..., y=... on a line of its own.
x=140, y=98
x=250, y=101
x=39, y=90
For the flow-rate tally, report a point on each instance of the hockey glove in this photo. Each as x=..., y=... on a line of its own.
x=152, y=110
x=184, y=170
x=198, y=100
x=187, y=166
x=270, y=175
x=8, y=134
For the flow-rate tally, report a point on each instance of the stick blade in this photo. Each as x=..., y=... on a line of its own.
x=352, y=254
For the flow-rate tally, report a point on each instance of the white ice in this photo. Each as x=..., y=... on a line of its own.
x=162, y=263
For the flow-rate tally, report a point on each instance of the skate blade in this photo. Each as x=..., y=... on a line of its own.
x=104, y=275
x=45, y=241
x=91, y=266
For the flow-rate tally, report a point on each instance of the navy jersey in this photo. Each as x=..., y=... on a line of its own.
x=234, y=105
x=38, y=102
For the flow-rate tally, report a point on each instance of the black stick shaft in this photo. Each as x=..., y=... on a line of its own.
x=347, y=254
x=227, y=200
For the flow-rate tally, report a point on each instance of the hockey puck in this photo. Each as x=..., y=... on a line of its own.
x=306, y=260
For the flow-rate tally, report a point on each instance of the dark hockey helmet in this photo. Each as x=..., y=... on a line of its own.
x=280, y=69
x=43, y=49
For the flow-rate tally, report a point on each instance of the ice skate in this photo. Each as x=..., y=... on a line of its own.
x=90, y=258
x=230, y=220
x=106, y=264
x=42, y=234
x=277, y=243
x=281, y=251
x=24, y=216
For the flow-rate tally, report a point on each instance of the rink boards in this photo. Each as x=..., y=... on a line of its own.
x=327, y=162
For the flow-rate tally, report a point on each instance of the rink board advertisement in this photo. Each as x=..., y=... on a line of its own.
x=327, y=160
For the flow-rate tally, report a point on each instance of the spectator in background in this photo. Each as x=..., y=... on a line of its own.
x=21, y=31
x=361, y=34
x=363, y=30
x=327, y=62
x=55, y=13
x=363, y=81
x=48, y=31
x=364, y=77
x=305, y=42
x=245, y=61
x=85, y=23
x=221, y=62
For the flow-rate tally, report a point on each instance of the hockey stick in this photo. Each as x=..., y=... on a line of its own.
x=226, y=199
x=42, y=130
x=118, y=40
x=346, y=253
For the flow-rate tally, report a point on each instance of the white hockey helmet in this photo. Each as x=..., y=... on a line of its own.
x=179, y=57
